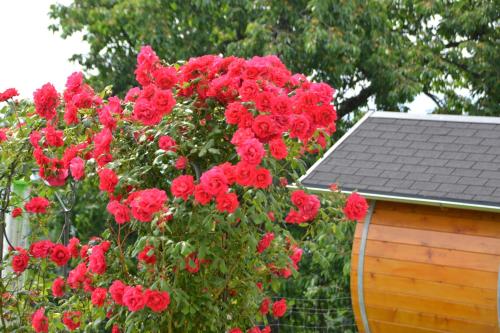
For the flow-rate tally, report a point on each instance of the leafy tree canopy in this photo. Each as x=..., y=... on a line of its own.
x=384, y=50
x=388, y=51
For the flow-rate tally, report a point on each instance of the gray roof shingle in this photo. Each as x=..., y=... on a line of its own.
x=451, y=158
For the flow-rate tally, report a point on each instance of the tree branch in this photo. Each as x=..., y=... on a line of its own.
x=434, y=98
x=351, y=104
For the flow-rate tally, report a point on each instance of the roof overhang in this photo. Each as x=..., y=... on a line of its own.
x=412, y=200
x=396, y=198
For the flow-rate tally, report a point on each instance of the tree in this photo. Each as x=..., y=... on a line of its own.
x=387, y=51
x=457, y=45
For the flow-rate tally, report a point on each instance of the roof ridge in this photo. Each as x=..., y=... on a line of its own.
x=436, y=117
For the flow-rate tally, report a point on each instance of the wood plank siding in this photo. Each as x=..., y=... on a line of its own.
x=428, y=269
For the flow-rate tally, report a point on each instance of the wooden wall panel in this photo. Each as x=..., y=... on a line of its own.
x=426, y=321
x=430, y=255
x=429, y=269
x=444, y=240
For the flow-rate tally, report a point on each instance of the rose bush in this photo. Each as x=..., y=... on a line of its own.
x=193, y=165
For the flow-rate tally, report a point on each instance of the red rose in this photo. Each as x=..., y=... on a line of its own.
x=263, y=178
x=255, y=329
x=263, y=101
x=119, y=211
x=39, y=321
x=165, y=77
x=264, y=306
x=3, y=135
x=235, y=330
x=107, y=180
x=308, y=207
x=249, y=90
x=214, y=181
x=37, y=205
x=265, y=242
x=299, y=127
x=227, y=202
x=71, y=319
x=241, y=135
x=8, y=93
x=102, y=142
x=271, y=216
x=183, y=186
x=163, y=102
x=181, y=163
x=73, y=245
x=98, y=296
x=116, y=290
x=266, y=329
x=52, y=137
x=77, y=168
x=296, y=256
x=132, y=94
x=20, y=260
x=201, y=196
x=167, y=143
x=105, y=245
x=264, y=127
x=147, y=255
x=77, y=276
x=58, y=287
x=145, y=203
x=145, y=113
x=281, y=105
x=245, y=173
x=115, y=329
x=157, y=301
x=229, y=171
x=60, y=254
x=251, y=151
x=134, y=298
x=278, y=148
x=97, y=260
x=356, y=207
x=235, y=112
x=46, y=100
x=279, y=308
x=41, y=249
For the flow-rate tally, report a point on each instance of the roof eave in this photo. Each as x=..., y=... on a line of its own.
x=413, y=200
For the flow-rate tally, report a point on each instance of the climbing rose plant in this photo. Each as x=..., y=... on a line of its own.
x=193, y=165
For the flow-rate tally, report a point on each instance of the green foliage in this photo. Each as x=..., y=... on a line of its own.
x=388, y=51
x=323, y=284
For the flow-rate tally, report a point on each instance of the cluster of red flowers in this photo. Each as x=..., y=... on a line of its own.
x=155, y=100
x=356, y=207
x=135, y=298
x=37, y=205
x=141, y=204
x=8, y=94
x=57, y=253
x=308, y=207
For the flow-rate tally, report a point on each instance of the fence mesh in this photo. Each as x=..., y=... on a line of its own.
x=305, y=315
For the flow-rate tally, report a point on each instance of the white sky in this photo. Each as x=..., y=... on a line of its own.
x=31, y=55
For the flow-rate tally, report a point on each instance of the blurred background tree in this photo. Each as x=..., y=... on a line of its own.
x=385, y=52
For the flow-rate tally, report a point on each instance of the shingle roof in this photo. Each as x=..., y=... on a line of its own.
x=443, y=158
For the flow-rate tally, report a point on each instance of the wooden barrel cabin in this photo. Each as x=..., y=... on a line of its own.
x=427, y=256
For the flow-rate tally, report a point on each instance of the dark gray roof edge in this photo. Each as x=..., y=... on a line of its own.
x=338, y=143
x=415, y=199
x=436, y=117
